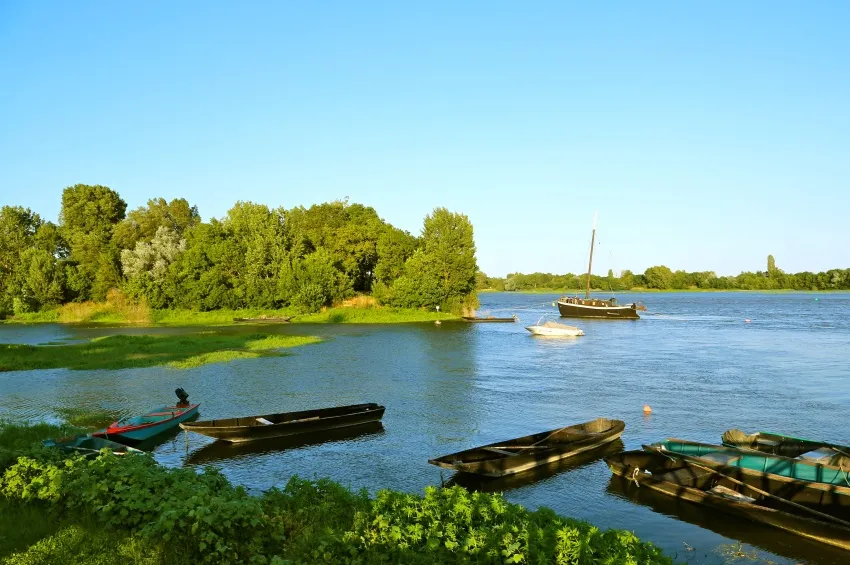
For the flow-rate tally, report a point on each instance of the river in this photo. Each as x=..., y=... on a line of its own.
x=693, y=357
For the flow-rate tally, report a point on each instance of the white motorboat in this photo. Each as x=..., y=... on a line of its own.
x=550, y=328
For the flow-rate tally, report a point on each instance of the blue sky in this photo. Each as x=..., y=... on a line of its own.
x=706, y=134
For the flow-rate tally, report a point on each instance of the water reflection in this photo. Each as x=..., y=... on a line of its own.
x=219, y=451
x=759, y=536
x=480, y=483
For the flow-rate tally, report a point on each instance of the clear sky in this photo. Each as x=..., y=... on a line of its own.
x=706, y=134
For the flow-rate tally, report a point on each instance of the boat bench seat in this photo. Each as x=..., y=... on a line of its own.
x=721, y=457
x=685, y=477
x=501, y=451
x=160, y=414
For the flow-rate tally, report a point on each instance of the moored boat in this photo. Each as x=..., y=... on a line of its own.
x=521, y=454
x=266, y=319
x=587, y=307
x=88, y=445
x=554, y=329
x=793, y=479
x=683, y=480
x=250, y=428
x=775, y=444
x=485, y=319
x=157, y=421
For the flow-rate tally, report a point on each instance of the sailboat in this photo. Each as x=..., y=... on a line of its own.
x=587, y=307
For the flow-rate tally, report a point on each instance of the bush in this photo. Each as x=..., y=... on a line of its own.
x=305, y=522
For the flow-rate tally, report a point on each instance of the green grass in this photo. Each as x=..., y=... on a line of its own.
x=383, y=315
x=129, y=351
x=94, y=419
x=338, y=315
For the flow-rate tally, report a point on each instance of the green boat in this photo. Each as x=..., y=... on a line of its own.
x=831, y=454
x=797, y=480
x=88, y=445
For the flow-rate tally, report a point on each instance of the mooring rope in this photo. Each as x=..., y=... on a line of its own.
x=635, y=473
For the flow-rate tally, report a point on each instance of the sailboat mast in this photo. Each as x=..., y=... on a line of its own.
x=590, y=263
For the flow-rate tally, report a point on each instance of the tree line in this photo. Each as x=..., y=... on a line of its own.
x=254, y=257
x=664, y=278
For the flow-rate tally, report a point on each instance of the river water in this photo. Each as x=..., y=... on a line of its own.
x=692, y=357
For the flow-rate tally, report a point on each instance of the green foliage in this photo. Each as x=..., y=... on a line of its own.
x=662, y=278
x=164, y=257
x=146, y=506
x=443, y=271
x=179, y=351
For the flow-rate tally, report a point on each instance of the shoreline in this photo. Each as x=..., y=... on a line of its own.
x=225, y=318
x=639, y=290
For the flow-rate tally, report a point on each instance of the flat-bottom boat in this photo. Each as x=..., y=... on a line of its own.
x=485, y=319
x=88, y=445
x=683, y=480
x=805, y=482
x=265, y=319
x=159, y=420
x=250, y=428
x=524, y=453
x=775, y=444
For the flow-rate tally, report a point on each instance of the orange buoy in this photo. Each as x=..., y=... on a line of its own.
x=647, y=409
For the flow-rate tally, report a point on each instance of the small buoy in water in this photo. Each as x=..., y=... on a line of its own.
x=553, y=305
x=437, y=322
x=747, y=321
x=647, y=409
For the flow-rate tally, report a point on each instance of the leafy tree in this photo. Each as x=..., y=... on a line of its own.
x=658, y=277
x=87, y=219
x=142, y=223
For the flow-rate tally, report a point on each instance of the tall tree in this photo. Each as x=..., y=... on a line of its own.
x=87, y=219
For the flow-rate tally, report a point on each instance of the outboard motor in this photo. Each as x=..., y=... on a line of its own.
x=183, y=396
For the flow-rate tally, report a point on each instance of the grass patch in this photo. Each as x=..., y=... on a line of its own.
x=94, y=419
x=381, y=315
x=129, y=351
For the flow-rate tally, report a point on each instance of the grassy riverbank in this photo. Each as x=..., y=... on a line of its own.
x=128, y=351
x=336, y=315
x=117, y=510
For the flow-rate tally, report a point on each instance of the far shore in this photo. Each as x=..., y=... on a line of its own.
x=657, y=290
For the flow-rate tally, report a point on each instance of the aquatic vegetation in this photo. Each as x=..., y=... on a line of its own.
x=148, y=509
x=126, y=351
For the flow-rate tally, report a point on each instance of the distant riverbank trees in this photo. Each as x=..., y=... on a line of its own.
x=162, y=254
x=663, y=278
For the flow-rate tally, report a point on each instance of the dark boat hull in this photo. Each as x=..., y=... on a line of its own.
x=522, y=454
x=596, y=309
x=831, y=497
x=284, y=424
x=679, y=479
x=486, y=320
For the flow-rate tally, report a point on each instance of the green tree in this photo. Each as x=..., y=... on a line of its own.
x=660, y=277
x=87, y=219
x=142, y=223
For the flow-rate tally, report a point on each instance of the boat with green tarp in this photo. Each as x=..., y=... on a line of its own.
x=684, y=480
x=798, y=480
x=832, y=454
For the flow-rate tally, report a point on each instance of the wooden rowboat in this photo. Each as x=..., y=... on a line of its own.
x=488, y=319
x=775, y=444
x=88, y=445
x=805, y=482
x=684, y=481
x=269, y=319
x=521, y=454
x=250, y=428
